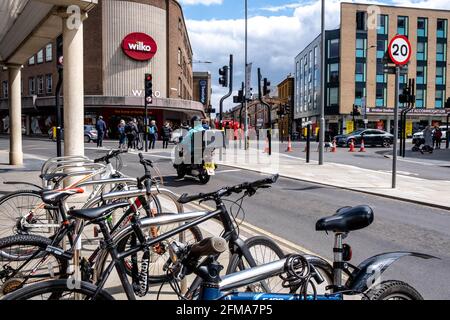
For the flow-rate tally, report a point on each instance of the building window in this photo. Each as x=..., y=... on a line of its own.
x=333, y=48
x=179, y=87
x=442, y=28
x=360, y=73
x=49, y=83
x=333, y=97
x=421, y=75
x=440, y=75
x=5, y=89
x=422, y=51
x=40, y=56
x=381, y=97
x=180, y=24
x=360, y=93
x=31, y=61
x=440, y=97
x=383, y=21
x=420, y=98
x=179, y=57
x=316, y=56
x=333, y=73
x=361, y=17
x=441, y=52
x=49, y=52
x=422, y=27
x=31, y=86
x=381, y=76
x=40, y=80
x=381, y=48
x=402, y=25
x=360, y=48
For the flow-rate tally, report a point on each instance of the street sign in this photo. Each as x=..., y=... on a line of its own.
x=400, y=50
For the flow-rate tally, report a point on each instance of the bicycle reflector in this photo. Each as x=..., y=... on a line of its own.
x=347, y=253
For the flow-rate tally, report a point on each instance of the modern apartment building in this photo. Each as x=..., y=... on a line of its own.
x=355, y=69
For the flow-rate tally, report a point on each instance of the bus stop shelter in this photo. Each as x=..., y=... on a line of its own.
x=25, y=27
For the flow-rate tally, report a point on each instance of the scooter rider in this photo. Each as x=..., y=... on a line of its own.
x=196, y=126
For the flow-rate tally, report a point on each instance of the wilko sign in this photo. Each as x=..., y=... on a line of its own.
x=139, y=46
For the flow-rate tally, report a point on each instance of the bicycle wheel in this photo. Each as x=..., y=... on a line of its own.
x=263, y=251
x=393, y=290
x=159, y=253
x=23, y=212
x=23, y=261
x=59, y=290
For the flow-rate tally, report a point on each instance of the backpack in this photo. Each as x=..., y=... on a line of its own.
x=128, y=129
x=151, y=130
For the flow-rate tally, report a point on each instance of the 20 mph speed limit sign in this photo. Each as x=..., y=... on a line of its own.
x=400, y=50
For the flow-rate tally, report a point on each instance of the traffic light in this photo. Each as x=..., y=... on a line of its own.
x=239, y=98
x=266, y=90
x=355, y=111
x=404, y=96
x=223, y=80
x=148, y=88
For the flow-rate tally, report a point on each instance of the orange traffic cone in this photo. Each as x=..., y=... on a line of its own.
x=289, y=148
x=266, y=148
x=352, y=146
x=363, y=147
x=334, y=147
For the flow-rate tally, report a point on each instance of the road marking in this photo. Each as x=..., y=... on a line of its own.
x=400, y=172
x=229, y=171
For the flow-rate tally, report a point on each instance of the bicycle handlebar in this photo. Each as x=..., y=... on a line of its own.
x=111, y=154
x=247, y=186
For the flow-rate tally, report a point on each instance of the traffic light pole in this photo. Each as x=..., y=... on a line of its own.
x=269, y=132
x=395, y=152
x=230, y=91
x=58, y=113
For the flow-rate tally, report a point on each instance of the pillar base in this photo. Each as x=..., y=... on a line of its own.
x=16, y=158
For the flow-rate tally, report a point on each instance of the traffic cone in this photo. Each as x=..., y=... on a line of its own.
x=363, y=147
x=266, y=148
x=289, y=148
x=334, y=147
x=352, y=146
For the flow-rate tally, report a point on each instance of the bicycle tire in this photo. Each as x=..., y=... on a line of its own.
x=16, y=205
x=55, y=288
x=9, y=257
x=235, y=264
x=393, y=290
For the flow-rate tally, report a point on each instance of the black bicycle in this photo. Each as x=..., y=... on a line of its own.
x=65, y=289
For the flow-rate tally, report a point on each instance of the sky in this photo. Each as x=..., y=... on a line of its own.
x=277, y=31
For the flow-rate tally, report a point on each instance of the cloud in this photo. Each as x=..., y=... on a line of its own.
x=282, y=7
x=203, y=2
x=274, y=41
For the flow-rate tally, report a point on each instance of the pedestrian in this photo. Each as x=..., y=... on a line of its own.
x=152, y=132
x=428, y=137
x=166, y=133
x=101, y=130
x=131, y=131
x=437, y=137
x=122, y=136
x=205, y=124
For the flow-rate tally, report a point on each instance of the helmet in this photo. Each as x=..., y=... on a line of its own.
x=194, y=120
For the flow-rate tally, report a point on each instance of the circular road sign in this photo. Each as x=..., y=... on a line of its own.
x=400, y=50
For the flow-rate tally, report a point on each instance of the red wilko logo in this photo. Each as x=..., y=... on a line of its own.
x=139, y=46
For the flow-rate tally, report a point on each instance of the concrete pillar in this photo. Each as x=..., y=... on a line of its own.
x=15, y=115
x=73, y=88
x=388, y=124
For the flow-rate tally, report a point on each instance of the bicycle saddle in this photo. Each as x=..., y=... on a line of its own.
x=97, y=213
x=54, y=197
x=347, y=219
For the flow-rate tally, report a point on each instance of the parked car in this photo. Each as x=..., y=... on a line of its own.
x=372, y=137
x=90, y=134
x=418, y=136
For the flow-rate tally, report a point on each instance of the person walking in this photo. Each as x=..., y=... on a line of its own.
x=131, y=131
x=166, y=133
x=101, y=130
x=122, y=136
x=428, y=137
x=152, y=132
x=437, y=137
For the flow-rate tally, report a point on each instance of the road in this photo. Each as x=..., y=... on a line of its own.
x=291, y=208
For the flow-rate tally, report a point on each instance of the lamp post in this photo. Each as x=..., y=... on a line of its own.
x=323, y=88
x=246, y=76
x=366, y=121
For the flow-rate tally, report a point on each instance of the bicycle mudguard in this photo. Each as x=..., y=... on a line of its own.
x=369, y=271
x=24, y=183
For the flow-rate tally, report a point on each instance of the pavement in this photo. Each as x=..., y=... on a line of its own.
x=430, y=192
